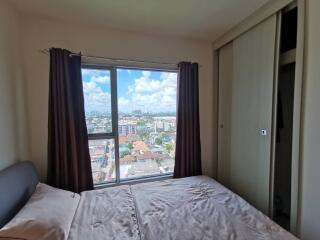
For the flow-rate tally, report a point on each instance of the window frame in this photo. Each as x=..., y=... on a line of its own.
x=114, y=119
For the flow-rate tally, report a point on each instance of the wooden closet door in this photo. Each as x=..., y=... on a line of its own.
x=251, y=110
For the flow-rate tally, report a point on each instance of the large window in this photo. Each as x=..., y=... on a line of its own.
x=131, y=122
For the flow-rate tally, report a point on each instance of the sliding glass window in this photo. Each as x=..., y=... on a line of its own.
x=131, y=122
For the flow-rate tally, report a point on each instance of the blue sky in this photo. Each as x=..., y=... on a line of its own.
x=149, y=91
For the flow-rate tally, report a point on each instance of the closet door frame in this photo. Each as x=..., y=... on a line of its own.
x=274, y=114
x=224, y=117
x=297, y=123
x=263, y=13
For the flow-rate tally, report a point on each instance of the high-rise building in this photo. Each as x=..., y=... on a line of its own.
x=127, y=128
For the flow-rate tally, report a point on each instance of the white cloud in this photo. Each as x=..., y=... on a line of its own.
x=123, y=103
x=95, y=98
x=154, y=95
x=146, y=84
x=146, y=93
x=101, y=79
x=98, y=76
x=146, y=74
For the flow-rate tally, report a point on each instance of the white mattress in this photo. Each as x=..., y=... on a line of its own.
x=187, y=209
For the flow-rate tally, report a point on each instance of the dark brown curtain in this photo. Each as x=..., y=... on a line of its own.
x=188, y=152
x=69, y=165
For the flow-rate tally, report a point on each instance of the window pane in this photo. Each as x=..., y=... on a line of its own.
x=102, y=160
x=97, y=99
x=146, y=122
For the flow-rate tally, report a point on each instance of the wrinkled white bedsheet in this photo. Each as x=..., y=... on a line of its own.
x=187, y=209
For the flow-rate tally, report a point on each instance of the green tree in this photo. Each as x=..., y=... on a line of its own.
x=158, y=140
x=168, y=147
x=124, y=153
x=146, y=134
x=130, y=146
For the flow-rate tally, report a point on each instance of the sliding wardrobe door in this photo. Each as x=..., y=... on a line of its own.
x=225, y=87
x=251, y=110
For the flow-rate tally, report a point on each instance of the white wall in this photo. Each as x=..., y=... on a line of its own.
x=13, y=145
x=44, y=33
x=310, y=194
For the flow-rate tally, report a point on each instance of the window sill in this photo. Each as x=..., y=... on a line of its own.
x=134, y=181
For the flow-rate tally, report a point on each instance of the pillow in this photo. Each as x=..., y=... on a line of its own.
x=46, y=216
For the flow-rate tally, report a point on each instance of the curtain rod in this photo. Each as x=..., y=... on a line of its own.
x=46, y=51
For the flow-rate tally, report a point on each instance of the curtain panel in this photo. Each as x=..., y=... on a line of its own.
x=188, y=149
x=69, y=165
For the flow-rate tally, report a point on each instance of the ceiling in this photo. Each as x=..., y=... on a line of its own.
x=194, y=19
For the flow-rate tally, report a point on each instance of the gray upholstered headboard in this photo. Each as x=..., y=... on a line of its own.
x=17, y=183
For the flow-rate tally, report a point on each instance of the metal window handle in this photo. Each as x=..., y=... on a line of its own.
x=263, y=132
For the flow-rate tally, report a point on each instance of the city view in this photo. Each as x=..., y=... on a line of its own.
x=146, y=123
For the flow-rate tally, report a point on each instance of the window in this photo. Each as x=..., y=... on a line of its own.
x=131, y=122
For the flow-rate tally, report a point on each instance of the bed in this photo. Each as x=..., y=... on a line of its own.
x=187, y=208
